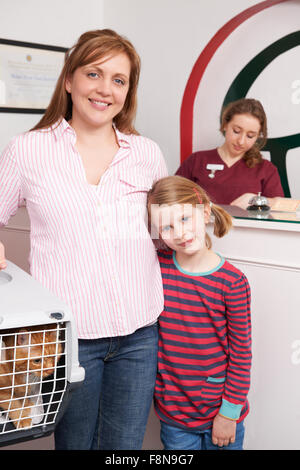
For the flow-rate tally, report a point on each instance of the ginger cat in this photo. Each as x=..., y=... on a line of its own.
x=28, y=354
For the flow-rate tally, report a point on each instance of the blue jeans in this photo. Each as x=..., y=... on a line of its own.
x=109, y=411
x=179, y=439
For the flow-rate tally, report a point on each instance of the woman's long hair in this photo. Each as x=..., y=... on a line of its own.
x=253, y=107
x=90, y=47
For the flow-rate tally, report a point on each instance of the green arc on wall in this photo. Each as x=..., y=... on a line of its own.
x=278, y=146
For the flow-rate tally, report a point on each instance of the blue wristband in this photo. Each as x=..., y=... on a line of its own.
x=230, y=410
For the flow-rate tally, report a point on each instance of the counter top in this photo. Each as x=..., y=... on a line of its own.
x=287, y=221
x=273, y=220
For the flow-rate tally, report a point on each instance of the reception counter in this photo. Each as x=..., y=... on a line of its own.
x=268, y=251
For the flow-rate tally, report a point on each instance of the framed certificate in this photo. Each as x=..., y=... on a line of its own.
x=28, y=75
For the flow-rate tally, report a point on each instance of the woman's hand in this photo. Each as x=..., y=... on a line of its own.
x=243, y=200
x=223, y=431
x=2, y=257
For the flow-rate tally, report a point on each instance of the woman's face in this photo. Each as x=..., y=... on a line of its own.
x=99, y=91
x=241, y=134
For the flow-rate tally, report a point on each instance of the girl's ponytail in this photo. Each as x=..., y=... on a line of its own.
x=223, y=221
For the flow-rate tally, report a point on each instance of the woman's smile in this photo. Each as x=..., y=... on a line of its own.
x=101, y=105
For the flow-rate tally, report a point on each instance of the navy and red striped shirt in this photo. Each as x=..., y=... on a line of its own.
x=204, y=354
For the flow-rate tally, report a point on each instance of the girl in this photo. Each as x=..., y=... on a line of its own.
x=204, y=330
x=81, y=169
x=245, y=172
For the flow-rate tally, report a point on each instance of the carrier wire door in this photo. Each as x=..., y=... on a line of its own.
x=38, y=358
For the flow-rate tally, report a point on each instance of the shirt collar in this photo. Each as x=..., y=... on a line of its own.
x=124, y=140
x=62, y=126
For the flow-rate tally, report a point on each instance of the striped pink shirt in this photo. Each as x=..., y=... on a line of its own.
x=89, y=244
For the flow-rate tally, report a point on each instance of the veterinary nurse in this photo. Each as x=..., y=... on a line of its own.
x=236, y=171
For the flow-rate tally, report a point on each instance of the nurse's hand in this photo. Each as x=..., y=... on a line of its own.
x=243, y=200
x=2, y=257
x=273, y=201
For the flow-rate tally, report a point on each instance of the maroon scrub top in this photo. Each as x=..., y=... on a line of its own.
x=230, y=183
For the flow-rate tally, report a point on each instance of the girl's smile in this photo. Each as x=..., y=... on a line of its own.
x=186, y=243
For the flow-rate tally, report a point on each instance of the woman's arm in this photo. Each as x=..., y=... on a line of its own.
x=10, y=187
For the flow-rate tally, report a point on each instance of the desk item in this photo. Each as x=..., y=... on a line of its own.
x=285, y=204
x=259, y=204
x=213, y=168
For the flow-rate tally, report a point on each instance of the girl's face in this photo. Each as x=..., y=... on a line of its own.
x=99, y=90
x=181, y=226
x=241, y=134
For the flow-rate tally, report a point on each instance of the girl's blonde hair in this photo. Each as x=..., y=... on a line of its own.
x=253, y=107
x=179, y=190
x=90, y=47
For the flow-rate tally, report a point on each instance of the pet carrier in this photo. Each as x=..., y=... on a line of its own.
x=38, y=357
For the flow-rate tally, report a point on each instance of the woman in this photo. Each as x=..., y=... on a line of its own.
x=84, y=172
x=236, y=171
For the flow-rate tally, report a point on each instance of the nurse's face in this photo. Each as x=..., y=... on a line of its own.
x=99, y=91
x=241, y=134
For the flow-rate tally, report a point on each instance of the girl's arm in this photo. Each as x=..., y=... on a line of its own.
x=239, y=344
x=238, y=371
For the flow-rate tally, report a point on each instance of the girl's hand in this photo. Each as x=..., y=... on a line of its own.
x=2, y=257
x=223, y=431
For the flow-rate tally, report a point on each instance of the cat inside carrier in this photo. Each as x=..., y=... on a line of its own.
x=38, y=357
